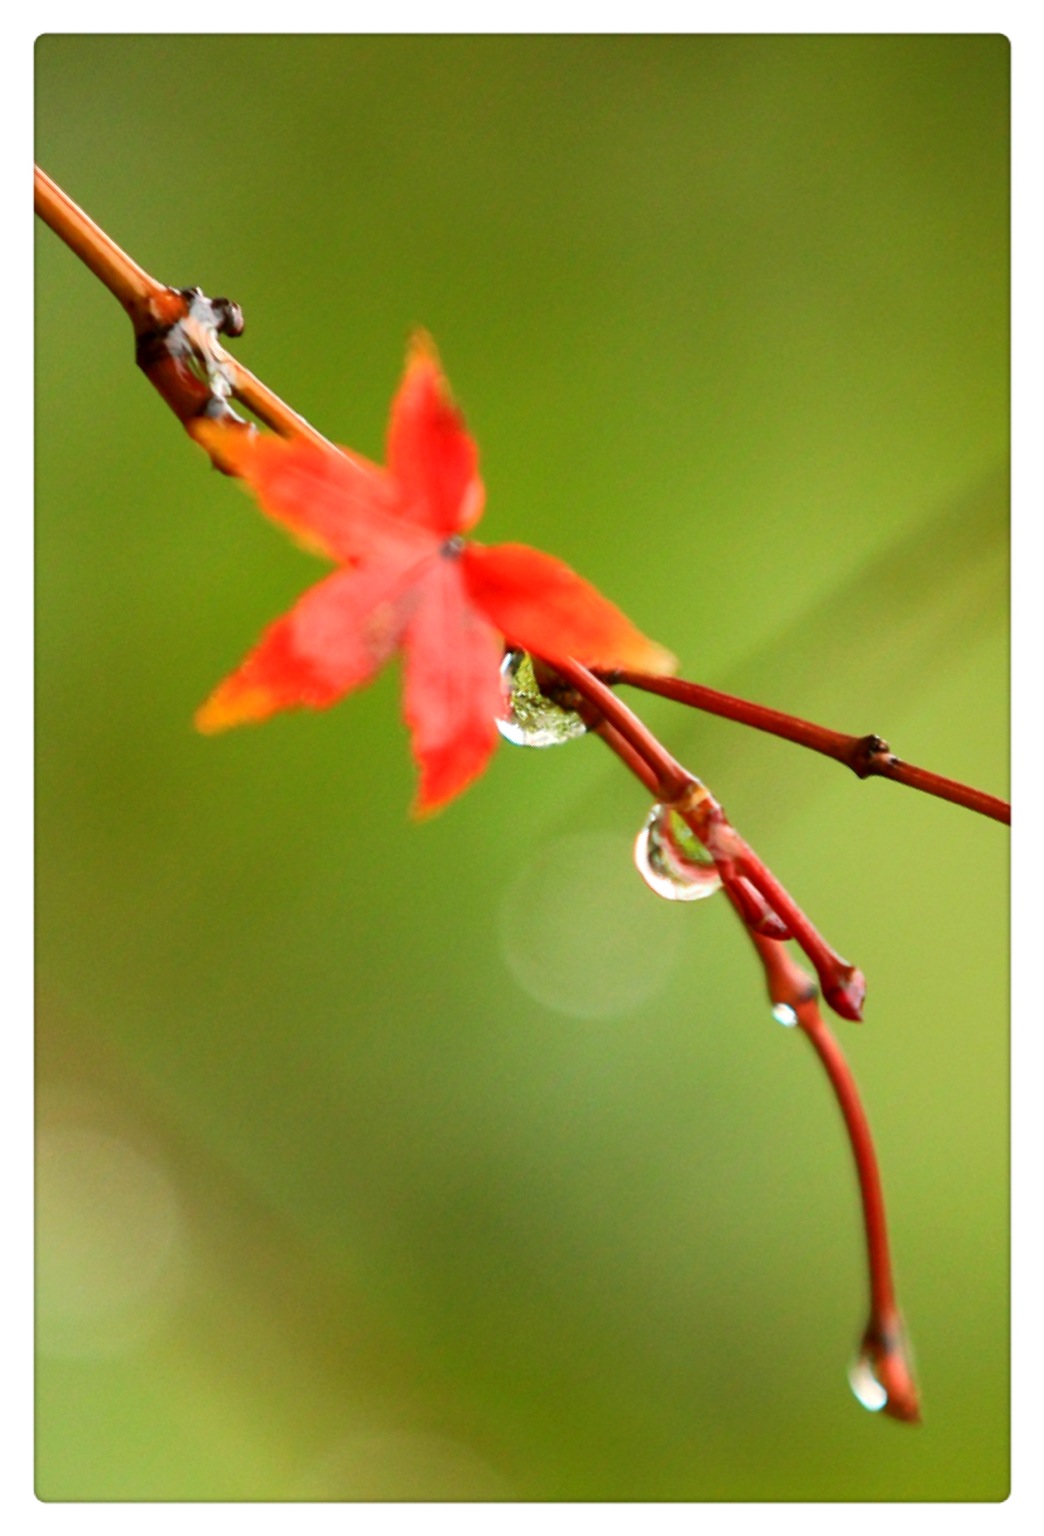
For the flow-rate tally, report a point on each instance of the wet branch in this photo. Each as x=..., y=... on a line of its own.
x=177, y=329
x=844, y=986
x=883, y=1348
x=883, y=1368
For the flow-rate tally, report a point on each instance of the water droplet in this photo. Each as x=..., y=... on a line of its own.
x=533, y=719
x=882, y=1376
x=864, y=1383
x=671, y=859
x=784, y=1014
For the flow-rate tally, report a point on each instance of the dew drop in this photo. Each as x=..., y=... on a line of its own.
x=865, y=1385
x=533, y=720
x=882, y=1375
x=784, y=1014
x=671, y=859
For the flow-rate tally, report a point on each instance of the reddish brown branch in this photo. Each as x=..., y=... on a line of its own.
x=131, y=284
x=887, y=766
x=627, y=755
x=176, y=328
x=882, y=1346
x=867, y=756
x=843, y=985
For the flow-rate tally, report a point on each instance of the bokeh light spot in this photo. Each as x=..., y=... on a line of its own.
x=580, y=932
x=400, y=1465
x=109, y=1242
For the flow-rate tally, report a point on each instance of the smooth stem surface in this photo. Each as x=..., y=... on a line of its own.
x=128, y=282
x=788, y=984
x=886, y=765
x=867, y=756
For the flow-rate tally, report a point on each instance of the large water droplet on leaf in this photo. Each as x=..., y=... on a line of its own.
x=671, y=859
x=864, y=1383
x=533, y=720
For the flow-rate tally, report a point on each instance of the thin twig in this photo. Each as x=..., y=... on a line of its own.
x=867, y=756
x=176, y=328
x=883, y=1345
x=844, y=986
x=131, y=284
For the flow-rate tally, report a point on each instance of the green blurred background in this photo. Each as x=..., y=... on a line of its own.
x=358, y=1178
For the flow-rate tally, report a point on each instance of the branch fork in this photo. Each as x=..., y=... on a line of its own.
x=844, y=986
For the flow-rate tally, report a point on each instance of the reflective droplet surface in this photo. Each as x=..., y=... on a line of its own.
x=671, y=859
x=533, y=720
x=784, y=1014
x=882, y=1376
x=865, y=1385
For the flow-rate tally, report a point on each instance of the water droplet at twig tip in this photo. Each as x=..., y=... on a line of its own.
x=881, y=1376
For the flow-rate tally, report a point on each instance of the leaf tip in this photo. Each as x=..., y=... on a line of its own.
x=228, y=706
x=661, y=662
x=229, y=448
x=421, y=349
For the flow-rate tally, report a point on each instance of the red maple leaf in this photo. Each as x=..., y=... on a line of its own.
x=409, y=581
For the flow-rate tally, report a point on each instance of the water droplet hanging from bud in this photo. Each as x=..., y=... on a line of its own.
x=533, y=720
x=785, y=1015
x=671, y=859
x=865, y=1385
x=882, y=1374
